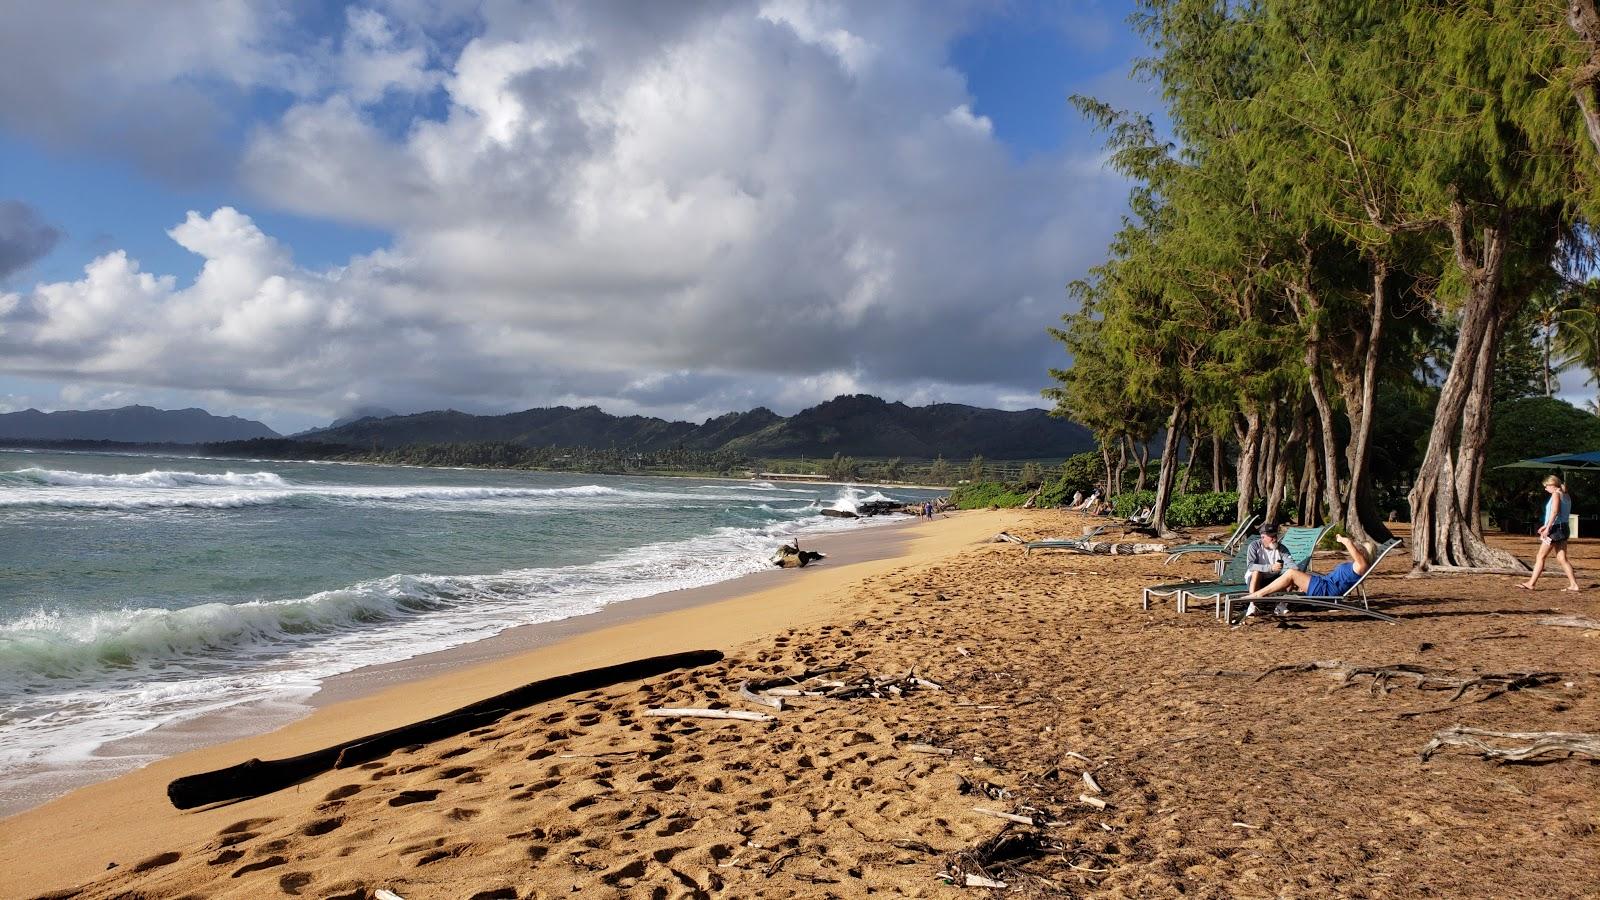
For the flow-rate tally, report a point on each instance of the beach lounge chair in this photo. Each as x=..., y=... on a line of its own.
x=1299, y=543
x=1228, y=547
x=1232, y=573
x=1337, y=603
x=1078, y=544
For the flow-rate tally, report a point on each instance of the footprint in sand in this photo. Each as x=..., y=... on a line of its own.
x=322, y=826
x=267, y=863
x=406, y=798
x=339, y=793
x=293, y=882
x=157, y=861
x=246, y=825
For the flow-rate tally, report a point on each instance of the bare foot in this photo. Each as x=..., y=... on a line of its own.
x=1524, y=585
x=1573, y=589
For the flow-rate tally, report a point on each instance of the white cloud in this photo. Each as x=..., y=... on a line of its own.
x=728, y=205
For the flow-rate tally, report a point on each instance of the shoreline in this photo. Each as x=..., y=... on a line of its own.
x=126, y=818
x=867, y=542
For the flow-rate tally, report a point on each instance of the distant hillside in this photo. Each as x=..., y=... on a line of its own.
x=132, y=424
x=858, y=425
x=363, y=412
x=863, y=425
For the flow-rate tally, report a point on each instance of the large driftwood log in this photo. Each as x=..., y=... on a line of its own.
x=256, y=777
x=1569, y=742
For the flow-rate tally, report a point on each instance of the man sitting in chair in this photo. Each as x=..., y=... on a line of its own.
x=1332, y=585
x=1266, y=558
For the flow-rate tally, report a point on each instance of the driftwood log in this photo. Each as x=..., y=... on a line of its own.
x=256, y=777
x=790, y=556
x=1571, y=622
x=1568, y=742
x=1425, y=678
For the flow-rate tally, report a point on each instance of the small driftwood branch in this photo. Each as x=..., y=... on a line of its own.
x=1095, y=802
x=1568, y=742
x=1571, y=622
x=382, y=894
x=980, y=881
x=671, y=712
x=1473, y=570
x=928, y=748
x=759, y=699
x=1009, y=817
x=1091, y=784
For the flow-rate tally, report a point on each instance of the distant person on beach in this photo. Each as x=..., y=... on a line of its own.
x=1077, y=500
x=1090, y=501
x=1553, y=534
x=1266, y=559
x=1332, y=585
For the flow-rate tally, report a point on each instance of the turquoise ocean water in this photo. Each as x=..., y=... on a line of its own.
x=139, y=591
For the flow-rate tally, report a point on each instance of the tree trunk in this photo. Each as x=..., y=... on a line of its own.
x=1249, y=456
x=1141, y=452
x=1269, y=451
x=1169, y=469
x=1280, y=468
x=1216, y=461
x=1105, y=457
x=1188, y=467
x=1584, y=19
x=1360, y=401
x=1443, y=530
x=1115, y=487
x=1330, y=453
x=1310, y=480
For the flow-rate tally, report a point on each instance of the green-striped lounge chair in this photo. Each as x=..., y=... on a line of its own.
x=1232, y=573
x=1335, y=603
x=1299, y=543
x=1229, y=547
x=1078, y=544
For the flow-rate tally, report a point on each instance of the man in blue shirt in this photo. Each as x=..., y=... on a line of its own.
x=1330, y=586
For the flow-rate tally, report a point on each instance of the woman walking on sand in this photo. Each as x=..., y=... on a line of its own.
x=1553, y=533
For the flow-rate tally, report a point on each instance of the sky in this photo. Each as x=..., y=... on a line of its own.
x=289, y=211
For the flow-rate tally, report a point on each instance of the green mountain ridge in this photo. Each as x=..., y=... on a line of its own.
x=854, y=425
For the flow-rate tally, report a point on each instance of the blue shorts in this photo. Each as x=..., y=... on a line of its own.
x=1335, y=583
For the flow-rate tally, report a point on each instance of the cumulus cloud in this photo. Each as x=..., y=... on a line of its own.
x=24, y=237
x=669, y=208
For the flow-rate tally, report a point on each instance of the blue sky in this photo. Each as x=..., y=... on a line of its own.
x=106, y=180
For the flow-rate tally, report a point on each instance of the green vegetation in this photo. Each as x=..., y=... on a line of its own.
x=1361, y=243
x=985, y=494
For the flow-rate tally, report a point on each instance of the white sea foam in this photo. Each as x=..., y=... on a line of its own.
x=160, y=489
x=156, y=478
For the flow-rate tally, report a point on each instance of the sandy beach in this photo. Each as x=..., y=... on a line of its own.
x=1206, y=777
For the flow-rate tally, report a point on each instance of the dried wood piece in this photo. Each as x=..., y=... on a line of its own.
x=671, y=712
x=1571, y=622
x=759, y=699
x=1080, y=756
x=1009, y=817
x=1569, y=742
x=383, y=894
x=1093, y=785
x=1425, y=678
x=928, y=748
x=1095, y=802
x=980, y=881
x=256, y=777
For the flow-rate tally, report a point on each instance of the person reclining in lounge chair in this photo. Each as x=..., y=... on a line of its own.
x=1333, y=584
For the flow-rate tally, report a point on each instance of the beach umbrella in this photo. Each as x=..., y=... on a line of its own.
x=1590, y=460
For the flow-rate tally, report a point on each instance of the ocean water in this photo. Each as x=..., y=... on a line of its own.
x=143, y=591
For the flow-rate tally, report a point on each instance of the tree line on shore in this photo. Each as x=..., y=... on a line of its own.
x=1371, y=217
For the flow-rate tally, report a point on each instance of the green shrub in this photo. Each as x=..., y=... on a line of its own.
x=985, y=494
x=1127, y=503
x=1196, y=510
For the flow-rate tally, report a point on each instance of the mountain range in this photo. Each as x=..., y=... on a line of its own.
x=854, y=425
x=130, y=424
